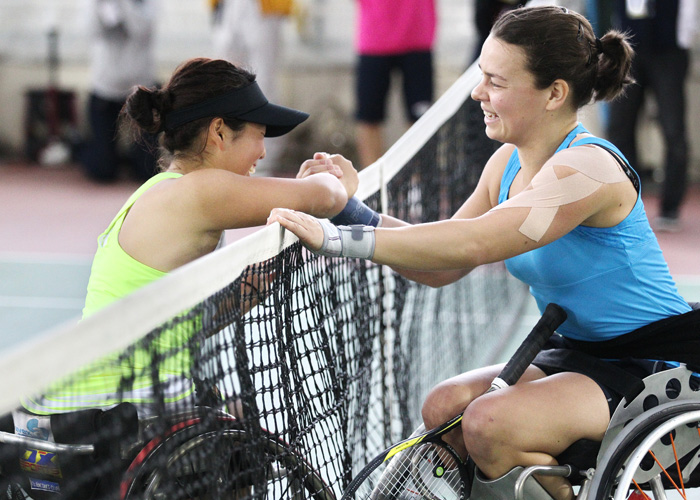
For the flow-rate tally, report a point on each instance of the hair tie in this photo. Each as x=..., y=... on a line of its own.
x=599, y=45
x=599, y=50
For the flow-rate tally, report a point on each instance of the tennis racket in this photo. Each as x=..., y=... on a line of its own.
x=423, y=465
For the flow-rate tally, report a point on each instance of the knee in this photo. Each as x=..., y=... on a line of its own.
x=481, y=430
x=434, y=408
x=443, y=402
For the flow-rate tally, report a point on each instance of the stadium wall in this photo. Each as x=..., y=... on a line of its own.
x=318, y=55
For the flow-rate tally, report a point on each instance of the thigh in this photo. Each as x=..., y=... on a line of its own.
x=624, y=112
x=546, y=414
x=372, y=87
x=450, y=397
x=418, y=85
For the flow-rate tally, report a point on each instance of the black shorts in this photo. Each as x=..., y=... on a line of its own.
x=374, y=79
x=616, y=377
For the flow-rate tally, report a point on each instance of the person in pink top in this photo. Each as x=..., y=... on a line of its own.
x=391, y=36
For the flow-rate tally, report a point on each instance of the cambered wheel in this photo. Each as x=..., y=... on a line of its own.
x=209, y=461
x=646, y=457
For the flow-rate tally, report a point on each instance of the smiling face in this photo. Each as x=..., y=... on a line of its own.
x=512, y=104
x=245, y=148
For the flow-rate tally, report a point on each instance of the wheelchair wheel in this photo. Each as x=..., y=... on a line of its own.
x=655, y=452
x=198, y=462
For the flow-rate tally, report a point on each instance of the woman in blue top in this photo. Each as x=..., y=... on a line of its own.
x=563, y=209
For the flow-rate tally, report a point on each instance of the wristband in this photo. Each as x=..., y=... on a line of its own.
x=356, y=212
x=355, y=241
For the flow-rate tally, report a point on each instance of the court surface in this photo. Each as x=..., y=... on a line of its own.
x=50, y=222
x=51, y=218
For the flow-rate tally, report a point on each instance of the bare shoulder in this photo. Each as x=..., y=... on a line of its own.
x=158, y=193
x=589, y=160
x=181, y=198
x=502, y=155
x=493, y=171
x=210, y=185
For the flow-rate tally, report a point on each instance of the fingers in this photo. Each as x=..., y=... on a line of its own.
x=286, y=217
x=321, y=162
x=350, y=179
x=304, y=226
x=336, y=164
x=259, y=284
x=275, y=214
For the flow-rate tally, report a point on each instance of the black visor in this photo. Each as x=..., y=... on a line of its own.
x=246, y=103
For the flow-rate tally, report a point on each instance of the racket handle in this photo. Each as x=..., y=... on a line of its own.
x=552, y=317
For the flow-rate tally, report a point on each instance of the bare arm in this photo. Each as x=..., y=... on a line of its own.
x=581, y=185
x=477, y=204
x=461, y=244
x=222, y=200
x=179, y=220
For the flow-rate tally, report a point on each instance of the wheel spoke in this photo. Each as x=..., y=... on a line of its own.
x=641, y=458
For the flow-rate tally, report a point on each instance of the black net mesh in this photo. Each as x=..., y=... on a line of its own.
x=284, y=383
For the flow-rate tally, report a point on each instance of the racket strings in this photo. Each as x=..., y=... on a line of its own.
x=435, y=472
x=427, y=471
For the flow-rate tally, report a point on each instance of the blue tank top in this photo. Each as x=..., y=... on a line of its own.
x=610, y=280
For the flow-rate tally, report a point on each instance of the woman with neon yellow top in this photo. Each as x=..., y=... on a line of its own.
x=211, y=118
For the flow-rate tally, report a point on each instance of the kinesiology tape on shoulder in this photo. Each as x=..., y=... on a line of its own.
x=347, y=241
x=548, y=193
x=356, y=212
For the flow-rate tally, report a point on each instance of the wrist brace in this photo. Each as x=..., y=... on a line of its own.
x=356, y=212
x=347, y=241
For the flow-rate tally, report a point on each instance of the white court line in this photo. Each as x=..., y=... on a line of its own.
x=41, y=302
x=44, y=258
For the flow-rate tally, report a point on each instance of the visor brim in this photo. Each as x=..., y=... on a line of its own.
x=277, y=119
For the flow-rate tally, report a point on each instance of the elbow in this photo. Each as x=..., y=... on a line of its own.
x=328, y=198
x=473, y=254
x=438, y=280
x=434, y=283
x=433, y=279
x=333, y=203
x=337, y=203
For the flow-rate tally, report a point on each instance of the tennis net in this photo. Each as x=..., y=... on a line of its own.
x=262, y=369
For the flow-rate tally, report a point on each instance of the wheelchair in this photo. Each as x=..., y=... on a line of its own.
x=203, y=453
x=651, y=448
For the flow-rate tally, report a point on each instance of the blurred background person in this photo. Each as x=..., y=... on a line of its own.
x=662, y=34
x=391, y=36
x=485, y=14
x=122, y=36
x=248, y=33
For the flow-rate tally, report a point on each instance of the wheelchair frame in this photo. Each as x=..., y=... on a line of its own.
x=160, y=461
x=662, y=420
x=652, y=445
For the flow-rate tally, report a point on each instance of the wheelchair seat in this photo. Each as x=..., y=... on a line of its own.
x=676, y=389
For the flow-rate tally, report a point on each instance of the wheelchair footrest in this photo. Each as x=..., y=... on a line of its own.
x=503, y=488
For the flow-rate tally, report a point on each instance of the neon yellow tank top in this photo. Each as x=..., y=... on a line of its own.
x=114, y=275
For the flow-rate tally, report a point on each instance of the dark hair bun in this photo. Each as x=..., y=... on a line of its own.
x=614, y=66
x=147, y=107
